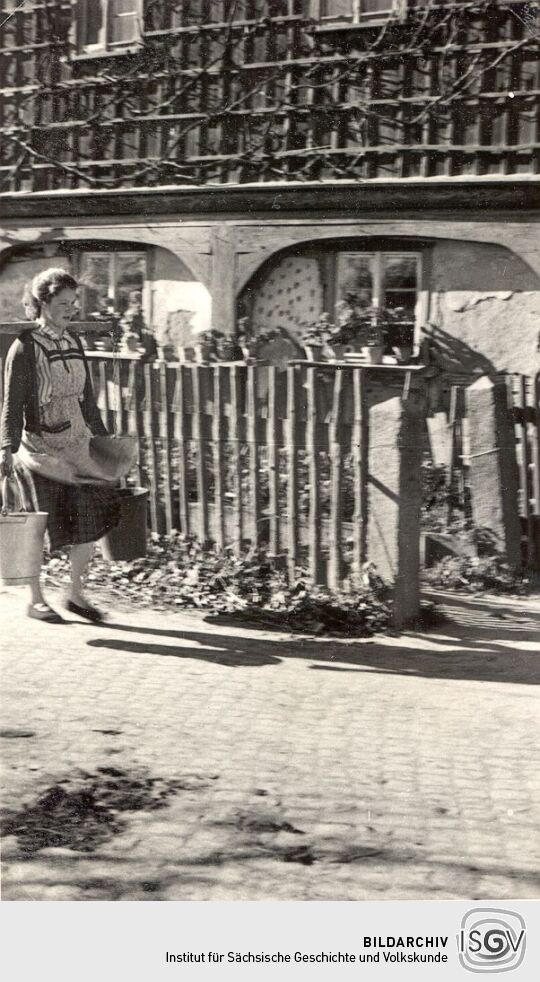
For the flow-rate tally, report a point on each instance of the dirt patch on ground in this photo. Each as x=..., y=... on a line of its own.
x=84, y=810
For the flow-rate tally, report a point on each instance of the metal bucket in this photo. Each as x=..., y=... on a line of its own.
x=128, y=540
x=21, y=541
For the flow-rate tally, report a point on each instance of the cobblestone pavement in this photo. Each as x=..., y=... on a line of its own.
x=393, y=768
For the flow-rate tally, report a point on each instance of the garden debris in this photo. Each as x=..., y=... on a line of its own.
x=489, y=574
x=82, y=811
x=179, y=573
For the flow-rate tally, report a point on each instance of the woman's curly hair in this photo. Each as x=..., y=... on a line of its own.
x=44, y=287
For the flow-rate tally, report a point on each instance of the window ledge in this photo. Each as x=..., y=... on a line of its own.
x=348, y=26
x=130, y=49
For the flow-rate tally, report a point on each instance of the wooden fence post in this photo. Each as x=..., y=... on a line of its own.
x=292, y=472
x=360, y=445
x=312, y=447
x=494, y=479
x=396, y=429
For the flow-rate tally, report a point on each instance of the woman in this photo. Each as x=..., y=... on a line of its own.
x=50, y=422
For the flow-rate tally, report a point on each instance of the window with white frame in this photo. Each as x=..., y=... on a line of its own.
x=382, y=279
x=358, y=11
x=108, y=25
x=109, y=281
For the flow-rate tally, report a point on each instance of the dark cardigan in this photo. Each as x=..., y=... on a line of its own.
x=21, y=402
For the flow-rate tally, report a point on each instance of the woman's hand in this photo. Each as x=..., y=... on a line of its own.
x=6, y=462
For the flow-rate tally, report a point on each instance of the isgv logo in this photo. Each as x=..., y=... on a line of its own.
x=491, y=940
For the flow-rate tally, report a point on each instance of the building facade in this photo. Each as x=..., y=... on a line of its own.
x=267, y=159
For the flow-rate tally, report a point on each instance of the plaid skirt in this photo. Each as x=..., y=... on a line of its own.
x=77, y=513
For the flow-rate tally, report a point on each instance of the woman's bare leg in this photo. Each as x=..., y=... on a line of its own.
x=81, y=555
x=36, y=594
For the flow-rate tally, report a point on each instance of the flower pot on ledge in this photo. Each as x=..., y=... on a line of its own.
x=337, y=351
x=403, y=352
x=203, y=352
x=250, y=349
x=313, y=352
x=373, y=353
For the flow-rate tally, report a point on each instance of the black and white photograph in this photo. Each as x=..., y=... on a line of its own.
x=270, y=453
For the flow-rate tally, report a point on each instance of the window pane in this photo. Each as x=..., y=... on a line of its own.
x=400, y=271
x=371, y=7
x=92, y=19
x=95, y=281
x=355, y=275
x=355, y=9
x=123, y=21
x=130, y=276
x=337, y=9
x=403, y=299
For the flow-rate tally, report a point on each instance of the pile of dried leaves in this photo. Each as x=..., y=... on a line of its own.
x=179, y=573
x=478, y=574
x=84, y=810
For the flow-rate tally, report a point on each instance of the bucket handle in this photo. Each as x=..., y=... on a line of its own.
x=5, y=495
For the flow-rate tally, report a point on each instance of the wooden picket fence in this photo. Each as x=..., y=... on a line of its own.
x=524, y=401
x=524, y=407
x=246, y=455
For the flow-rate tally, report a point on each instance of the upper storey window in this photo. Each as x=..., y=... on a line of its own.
x=105, y=26
x=358, y=11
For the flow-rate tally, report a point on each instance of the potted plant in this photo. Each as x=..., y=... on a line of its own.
x=246, y=340
x=402, y=345
x=226, y=347
x=370, y=335
x=342, y=333
x=316, y=337
x=365, y=327
x=252, y=344
x=206, y=345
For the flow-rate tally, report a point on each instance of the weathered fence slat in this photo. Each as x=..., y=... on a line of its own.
x=292, y=471
x=133, y=414
x=360, y=471
x=525, y=464
x=236, y=460
x=148, y=423
x=312, y=448
x=118, y=402
x=179, y=432
x=200, y=447
x=253, y=450
x=164, y=434
x=455, y=463
x=533, y=422
x=273, y=464
x=104, y=394
x=335, y=550
x=219, y=475
x=535, y=441
x=94, y=378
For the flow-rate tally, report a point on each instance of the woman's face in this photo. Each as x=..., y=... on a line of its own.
x=61, y=307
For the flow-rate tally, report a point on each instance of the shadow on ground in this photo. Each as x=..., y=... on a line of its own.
x=480, y=647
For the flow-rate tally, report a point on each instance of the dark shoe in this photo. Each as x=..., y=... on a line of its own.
x=42, y=612
x=89, y=613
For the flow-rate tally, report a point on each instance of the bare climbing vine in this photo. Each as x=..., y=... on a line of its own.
x=250, y=90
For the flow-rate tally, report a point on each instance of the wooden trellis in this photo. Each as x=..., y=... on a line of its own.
x=261, y=91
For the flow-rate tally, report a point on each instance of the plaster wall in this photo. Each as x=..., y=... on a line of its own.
x=181, y=307
x=289, y=296
x=485, y=306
